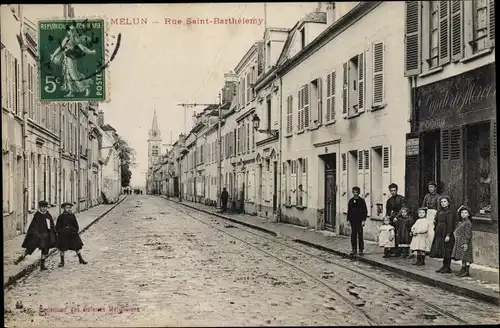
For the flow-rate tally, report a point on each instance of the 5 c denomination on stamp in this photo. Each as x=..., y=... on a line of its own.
x=72, y=60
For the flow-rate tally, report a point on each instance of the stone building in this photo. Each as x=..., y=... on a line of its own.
x=453, y=131
x=154, y=146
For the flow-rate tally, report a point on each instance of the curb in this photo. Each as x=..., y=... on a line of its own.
x=30, y=268
x=460, y=290
x=272, y=233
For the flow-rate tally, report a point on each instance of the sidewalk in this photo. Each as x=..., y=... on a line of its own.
x=483, y=283
x=12, y=248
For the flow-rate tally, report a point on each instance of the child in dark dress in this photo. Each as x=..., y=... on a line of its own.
x=69, y=239
x=403, y=230
x=442, y=245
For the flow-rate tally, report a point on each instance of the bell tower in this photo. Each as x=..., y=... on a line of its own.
x=154, y=142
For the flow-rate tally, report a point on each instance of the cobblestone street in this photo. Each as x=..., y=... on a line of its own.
x=154, y=262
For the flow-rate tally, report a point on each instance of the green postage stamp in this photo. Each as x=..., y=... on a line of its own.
x=72, y=60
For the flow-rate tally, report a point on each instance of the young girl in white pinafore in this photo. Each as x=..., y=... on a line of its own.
x=419, y=243
x=386, y=237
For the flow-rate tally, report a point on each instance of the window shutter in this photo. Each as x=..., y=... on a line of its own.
x=306, y=106
x=345, y=90
x=413, y=27
x=250, y=186
x=270, y=184
x=320, y=101
x=299, y=110
x=445, y=144
x=456, y=30
x=344, y=188
x=305, y=185
x=293, y=194
x=264, y=182
x=289, y=114
x=361, y=174
x=367, y=180
x=494, y=138
x=361, y=82
x=456, y=144
x=444, y=32
x=243, y=138
x=491, y=29
x=249, y=89
x=328, y=94
x=386, y=172
x=283, y=183
x=378, y=74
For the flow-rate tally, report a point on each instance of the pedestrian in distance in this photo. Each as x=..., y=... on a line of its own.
x=393, y=205
x=386, y=237
x=41, y=234
x=67, y=230
x=442, y=246
x=431, y=202
x=356, y=217
x=419, y=232
x=462, y=250
x=224, y=198
x=403, y=224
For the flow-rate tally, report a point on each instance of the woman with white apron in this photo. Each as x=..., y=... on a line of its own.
x=431, y=202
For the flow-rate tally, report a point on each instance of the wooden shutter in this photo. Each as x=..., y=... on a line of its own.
x=456, y=30
x=328, y=94
x=445, y=144
x=361, y=82
x=305, y=185
x=413, y=28
x=386, y=172
x=264, y=182
x=444, y=32
x=344, y=188
x=367, y=180
x=270, y=183
x=345, y=89
x=293, y=188
x=378, y=74
x=250, y=186
x=491, y=28
x=320, y=100
x=456, y=144
x=361, y=174
x=289, y=114
x=283, y=183
x=249, y=88
x=494, y=138
x=307, y=117
x=299, y=110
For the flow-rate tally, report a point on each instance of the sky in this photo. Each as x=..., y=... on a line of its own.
x=160, y=65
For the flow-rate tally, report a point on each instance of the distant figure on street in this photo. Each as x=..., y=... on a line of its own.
x=356, y=217
x=41, y=234
x=224, y=198
x=393, y=205
x=67, y=230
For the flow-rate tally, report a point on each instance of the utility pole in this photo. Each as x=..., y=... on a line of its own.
x=24, y=106
x=219, y=159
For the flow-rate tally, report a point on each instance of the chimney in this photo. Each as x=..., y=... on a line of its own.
x=331, y=13
x=194, y=118
x=100, y=118
x=229, y=89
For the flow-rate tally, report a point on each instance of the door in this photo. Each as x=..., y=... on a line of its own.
x=260, y=187
x=330, y=191
x=431, y=161
x=275, y=186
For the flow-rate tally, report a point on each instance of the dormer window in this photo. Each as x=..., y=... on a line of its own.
x=303, y=38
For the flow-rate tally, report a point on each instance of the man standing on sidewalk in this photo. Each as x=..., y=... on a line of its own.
x=356, y=217
x=224, y=198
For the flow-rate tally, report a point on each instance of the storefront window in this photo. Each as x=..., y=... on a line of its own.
x=479, y=182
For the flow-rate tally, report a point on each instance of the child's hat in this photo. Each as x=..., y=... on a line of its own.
x=463, y=207
x=422, y=209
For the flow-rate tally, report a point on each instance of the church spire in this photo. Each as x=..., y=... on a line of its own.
x=154, y=132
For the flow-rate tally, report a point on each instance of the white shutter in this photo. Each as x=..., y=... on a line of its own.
x=491, y=27
x=345, y=90
x=307, y=106
x=264, y=182
x=305, y=185
x=361, y=82
x=386, y=172
x=444, y=32
x=293, y=176
x=271, y=181
x=289, y=117
x=320, y=101
x=457, y=30
x=283, y=183
x=344, y=188
x=299, y=111
x=378, y=74
x=367, y=180
x=361, y=174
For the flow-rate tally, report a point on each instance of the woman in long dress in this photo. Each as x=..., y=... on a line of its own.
x=431, y=203
x=66, y=56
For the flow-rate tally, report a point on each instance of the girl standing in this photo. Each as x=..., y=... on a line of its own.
x=431, y=203
x=69, y=239
x=403, y=229
x=386, y=237
x=419, y=236
x=462, y=250
x=442, y=246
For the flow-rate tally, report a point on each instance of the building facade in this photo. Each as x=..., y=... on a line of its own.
x=453, y=137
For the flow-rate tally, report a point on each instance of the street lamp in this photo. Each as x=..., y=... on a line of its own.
x=256, y=125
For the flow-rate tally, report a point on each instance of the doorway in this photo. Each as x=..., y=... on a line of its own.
x=275, y=186
x=330, y=191
x=260, y=187
x=431, y=163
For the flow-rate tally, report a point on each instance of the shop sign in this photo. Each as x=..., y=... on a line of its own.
x=431, y=124
x=412, y=146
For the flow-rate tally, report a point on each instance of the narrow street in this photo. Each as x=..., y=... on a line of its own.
x=153, y=262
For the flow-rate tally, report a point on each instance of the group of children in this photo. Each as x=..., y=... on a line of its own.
x=436, y=233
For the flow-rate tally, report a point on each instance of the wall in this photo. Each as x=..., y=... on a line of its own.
x=369, y=129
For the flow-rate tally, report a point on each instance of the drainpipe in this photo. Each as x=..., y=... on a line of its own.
x=24, y=106
x=280, y=164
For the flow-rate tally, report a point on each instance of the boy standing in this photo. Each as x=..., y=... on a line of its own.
x=67, y=229
x=356, y=217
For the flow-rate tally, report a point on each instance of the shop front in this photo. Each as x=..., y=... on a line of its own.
x=455, y=135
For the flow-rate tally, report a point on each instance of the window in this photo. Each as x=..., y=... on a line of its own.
x=6, y=182
x=302, y=38
x=302, y=183
x=289, y=114
x=269, y=110
x=248, y=136
x=303, y=108
x=330, y=97
x=478, y=173
x=378, y=76
x=353, y=86
x=434, y=34
x=249, y=87
x=377, y=186
x=17, y=87
x=31, y=99
x=480, y=25
x=316, y=102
